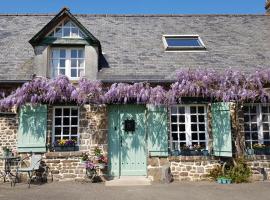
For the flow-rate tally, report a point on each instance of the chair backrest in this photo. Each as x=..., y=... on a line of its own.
x=35, y=161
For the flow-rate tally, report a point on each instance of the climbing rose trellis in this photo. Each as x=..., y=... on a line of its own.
x=228, y=86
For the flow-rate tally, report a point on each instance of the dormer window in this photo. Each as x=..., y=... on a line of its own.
x=183, y=43
x=68, y=61
x=67, y=29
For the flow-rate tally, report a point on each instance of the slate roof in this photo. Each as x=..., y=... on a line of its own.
x=133, y=48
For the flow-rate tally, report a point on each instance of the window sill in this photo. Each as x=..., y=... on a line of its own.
x=257, y=157
x=66, y=154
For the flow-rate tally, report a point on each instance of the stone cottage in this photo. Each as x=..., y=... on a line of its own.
x=137, y=139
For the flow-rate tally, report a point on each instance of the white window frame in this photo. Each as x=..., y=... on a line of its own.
x=187, y=123
x=168, y=48
x=61, y=25
x=259, y=122
x=54, y=126
x=68, y=59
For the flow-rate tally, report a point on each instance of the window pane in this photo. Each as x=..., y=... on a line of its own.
x=81, y=72
x=81, y=63
x=182, y=118
x=74, y=130
x=58, y=112
x=74, y=73
x=201, y=118
x=62, y=53
x=74, y=121
x=182, y=127
x=265, y=118
x=174, y=127
x=202, y=136
x=193, y=109
x=74, y=111
x=62, y=71
x=74, y=32
x=201, y=127
x=193, y=118
x=57, y=121
x=255, y=136
x=173, y=118
x=182, y=136
x=194, y=136
x=66, y=131
x=173, y=110
x=66, y=32
x=62, y=63
x=265, y=127
x=265, y=109
x=66, y=112
x=66, y=121
x=193, y=127
x=254, y=127
x=200, y=109
x=58, y=32
x=74, y=63
x=181, y=110
x=74, y=53
x=253, y=118
x=55, y=53
x=266, y=135
x=253, y=109
x=247, y=136
x=183, y=42
x=80, y=53
x=175, y=136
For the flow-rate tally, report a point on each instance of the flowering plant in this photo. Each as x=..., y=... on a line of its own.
x=65, y=142
x=258, y=146
x=89, y=165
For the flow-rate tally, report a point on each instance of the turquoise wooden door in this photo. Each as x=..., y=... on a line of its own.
x=127, y=140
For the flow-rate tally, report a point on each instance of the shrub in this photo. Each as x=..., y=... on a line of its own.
x=215, y=172
x=240, y=172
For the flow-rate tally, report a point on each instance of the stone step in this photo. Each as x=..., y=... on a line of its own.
x=129, y=181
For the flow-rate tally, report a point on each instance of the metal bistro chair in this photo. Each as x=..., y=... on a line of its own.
x=32, y=169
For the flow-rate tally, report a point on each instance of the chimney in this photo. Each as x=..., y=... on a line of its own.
x=267, y=7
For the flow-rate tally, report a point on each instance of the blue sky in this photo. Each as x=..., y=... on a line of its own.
x=135, y=6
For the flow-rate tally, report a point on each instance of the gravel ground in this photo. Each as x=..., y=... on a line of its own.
x=177, y=190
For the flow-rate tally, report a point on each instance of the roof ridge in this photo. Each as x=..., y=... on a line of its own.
x=133, y=15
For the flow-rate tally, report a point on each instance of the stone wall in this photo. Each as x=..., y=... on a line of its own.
x=183, y=168
x=260, y=166
x=64, y=165
x=8, y=131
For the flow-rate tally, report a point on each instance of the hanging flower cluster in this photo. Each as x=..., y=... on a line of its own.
x=228, y=86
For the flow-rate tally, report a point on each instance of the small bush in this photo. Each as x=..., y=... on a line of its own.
x=215, y=172
x=237, y=170
x=240, y=172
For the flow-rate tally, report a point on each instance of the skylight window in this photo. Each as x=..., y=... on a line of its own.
x=67, y=29
x=182, y=42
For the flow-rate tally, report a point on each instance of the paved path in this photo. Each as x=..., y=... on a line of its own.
x=179, y=191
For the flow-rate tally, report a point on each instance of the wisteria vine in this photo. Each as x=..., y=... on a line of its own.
x=228, y=86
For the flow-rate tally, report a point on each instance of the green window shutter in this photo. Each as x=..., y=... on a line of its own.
x=221, y=129
x=157, y=129
x=32, y=129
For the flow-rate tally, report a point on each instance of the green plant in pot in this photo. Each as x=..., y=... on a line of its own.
x=6, y=151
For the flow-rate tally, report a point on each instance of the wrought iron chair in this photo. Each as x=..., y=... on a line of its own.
x=31, y=170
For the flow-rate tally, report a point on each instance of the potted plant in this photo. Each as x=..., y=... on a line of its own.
x=65, y=145
x=84, y=157
x=6, y=151
x=196, y=150
x=250, y=151
x=259, y=149
x=185, y=150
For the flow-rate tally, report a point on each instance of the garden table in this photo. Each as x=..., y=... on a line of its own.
x=8, y=160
